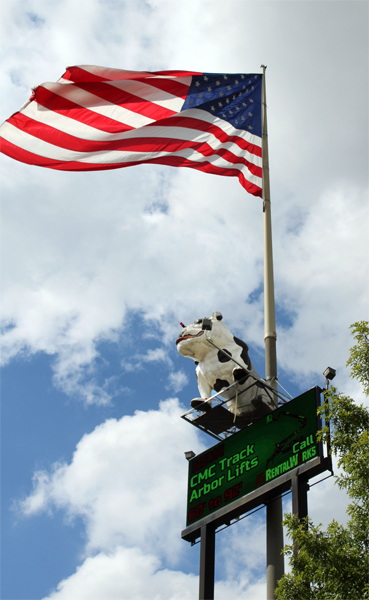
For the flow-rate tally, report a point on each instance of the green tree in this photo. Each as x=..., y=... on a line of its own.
x=334, y=564
x=359, y=354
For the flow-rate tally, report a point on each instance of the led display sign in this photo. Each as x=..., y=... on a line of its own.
x=253, y=457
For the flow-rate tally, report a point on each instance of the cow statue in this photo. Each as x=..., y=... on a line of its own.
x=221, y=365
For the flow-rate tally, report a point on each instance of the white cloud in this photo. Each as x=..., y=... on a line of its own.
x=157, y=355
x=125, y=574
x=130, y=574
x=241, y=548
x=160, y=355
x=322, y=275
x=177, y=381
x=137, y=463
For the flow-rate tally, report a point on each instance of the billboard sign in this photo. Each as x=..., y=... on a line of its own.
x=254, y=457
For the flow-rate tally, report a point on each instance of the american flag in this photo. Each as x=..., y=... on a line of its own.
x=96, y=118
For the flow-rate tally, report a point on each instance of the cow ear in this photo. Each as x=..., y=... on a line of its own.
x=217, y=315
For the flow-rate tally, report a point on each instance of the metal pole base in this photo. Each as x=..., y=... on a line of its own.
x=207, y=563
x=274, y=532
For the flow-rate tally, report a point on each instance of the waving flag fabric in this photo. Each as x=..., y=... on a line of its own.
x=98, y=118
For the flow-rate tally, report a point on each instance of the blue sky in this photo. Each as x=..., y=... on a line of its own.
x=99, y=269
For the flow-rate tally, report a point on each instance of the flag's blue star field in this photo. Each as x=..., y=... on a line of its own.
x=233, y=98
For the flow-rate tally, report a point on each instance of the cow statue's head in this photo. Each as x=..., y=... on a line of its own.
x=192, y=341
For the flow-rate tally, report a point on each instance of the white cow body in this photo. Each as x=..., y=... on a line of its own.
x=216, y=370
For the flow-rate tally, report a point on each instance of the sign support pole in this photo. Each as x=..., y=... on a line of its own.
x=299, y=488
x=207, y=563
x=274, y=529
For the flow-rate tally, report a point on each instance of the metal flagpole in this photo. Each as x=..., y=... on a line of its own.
x=274, y=529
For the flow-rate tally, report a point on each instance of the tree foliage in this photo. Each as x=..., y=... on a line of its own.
x=359, y=354
x=334, y=564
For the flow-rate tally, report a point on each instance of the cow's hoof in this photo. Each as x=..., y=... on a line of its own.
x=200, y=404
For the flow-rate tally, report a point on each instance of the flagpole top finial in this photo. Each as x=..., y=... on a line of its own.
x=263, y=67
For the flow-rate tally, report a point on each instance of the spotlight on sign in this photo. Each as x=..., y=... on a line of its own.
x=190, y=454
x=329, y=373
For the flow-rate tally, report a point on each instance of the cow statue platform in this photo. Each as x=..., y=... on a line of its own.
x=222, y=360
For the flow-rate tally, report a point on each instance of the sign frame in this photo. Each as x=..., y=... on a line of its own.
x=267, y=492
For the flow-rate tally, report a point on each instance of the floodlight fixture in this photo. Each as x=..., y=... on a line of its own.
x=190, y=454
x=329, y=373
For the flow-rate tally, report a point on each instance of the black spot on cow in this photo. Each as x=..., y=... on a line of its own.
x=220, y=384
x=245, y=351
x=222, y=356
x=240, y=375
